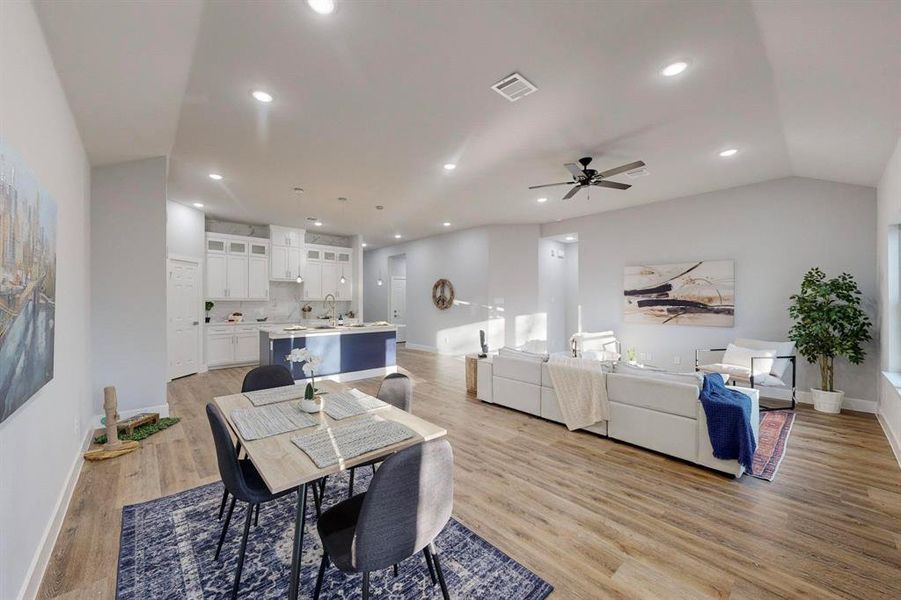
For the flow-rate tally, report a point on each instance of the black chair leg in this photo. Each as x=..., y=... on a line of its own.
x=222, y=504
x=428, y=562
x=395, y=569
x=366, y=585
x=317, y=500
x=439, y=572
x=228, y=519
x=256, y=518
x=319, y=578
x=250, y=508
x=350, y=488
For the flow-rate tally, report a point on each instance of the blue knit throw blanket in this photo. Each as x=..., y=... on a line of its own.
x=728, y=421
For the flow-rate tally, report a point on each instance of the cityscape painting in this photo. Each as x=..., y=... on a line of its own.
x=27, y=283
x=696, y=293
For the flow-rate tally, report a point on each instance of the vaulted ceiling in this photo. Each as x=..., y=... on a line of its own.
x=372, y=100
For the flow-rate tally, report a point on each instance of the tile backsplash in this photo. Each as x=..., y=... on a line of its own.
x=283, y=306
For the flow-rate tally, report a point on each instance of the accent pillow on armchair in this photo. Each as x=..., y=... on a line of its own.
x=739, y=356
x=782, y=349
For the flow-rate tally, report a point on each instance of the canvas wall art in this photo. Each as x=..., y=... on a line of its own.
x=27, y=283
x=697, y=293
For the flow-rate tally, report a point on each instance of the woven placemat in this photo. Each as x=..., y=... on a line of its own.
x=273, y=395
x=341, y=405
x=326, y=447
x=266, y=421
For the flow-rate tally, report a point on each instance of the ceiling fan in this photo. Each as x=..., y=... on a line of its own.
x=584, y=177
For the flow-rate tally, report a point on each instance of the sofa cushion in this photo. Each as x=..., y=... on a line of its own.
x=672, y=397
x=654, y=373
x=740, y=356
x=517, y=369
x=782, y=349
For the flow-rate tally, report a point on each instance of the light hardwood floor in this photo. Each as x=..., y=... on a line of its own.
x=594, y=517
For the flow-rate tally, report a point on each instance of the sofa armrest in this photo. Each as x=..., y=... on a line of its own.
x=754, y=395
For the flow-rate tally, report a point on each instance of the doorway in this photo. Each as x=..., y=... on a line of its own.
x=397, y=295
x=183, y=316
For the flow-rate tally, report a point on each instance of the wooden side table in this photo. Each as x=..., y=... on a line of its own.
x=472, y=374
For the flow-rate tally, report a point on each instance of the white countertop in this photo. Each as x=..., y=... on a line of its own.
x=278, y=331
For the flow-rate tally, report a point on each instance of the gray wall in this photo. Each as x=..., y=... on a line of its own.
x=41, y=443
x=774, y=231
x=128, y=280
x=495, y=275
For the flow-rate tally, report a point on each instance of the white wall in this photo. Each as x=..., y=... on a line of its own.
x=495, y=275
x=128, y=267
x=889, y=201
x=552, y=292
x=571, y=281
x=41, y=443
x=774, y=231
x=185, y=235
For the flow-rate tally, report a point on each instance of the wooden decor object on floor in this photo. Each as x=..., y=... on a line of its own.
x=114, y=446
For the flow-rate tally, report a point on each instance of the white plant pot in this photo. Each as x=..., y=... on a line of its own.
x=311, y=406
x=827, y=402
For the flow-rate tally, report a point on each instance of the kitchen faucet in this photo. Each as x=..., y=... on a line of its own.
x=330, y=302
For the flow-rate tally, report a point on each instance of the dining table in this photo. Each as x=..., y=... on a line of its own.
x=284, y=466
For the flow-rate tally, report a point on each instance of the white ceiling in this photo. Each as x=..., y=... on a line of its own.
x=371, y=101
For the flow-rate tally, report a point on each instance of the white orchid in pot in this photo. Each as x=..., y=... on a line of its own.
x=310, y=363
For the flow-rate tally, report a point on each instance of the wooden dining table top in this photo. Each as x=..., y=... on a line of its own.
x=284, y=466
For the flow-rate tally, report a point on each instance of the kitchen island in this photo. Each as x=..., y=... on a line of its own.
x=347, y=352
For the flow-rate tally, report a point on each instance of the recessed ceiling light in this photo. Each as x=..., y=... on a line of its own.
x=318, y=223
x=570, y=238
x=323, y=7
x=364, y=244
x=450, y=166
x=446, y=224
x=729, y=152
x=674, y=69
x=262, y=96
x=215, y=176
x=397, y=236
x=542, y=200
x=198, y=204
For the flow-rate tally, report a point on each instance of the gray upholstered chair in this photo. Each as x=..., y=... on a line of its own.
x=241, y=480
x=407, y=505
x=397, y=390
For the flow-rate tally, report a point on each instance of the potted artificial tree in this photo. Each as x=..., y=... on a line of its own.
x=829, y=323
x=208, y=306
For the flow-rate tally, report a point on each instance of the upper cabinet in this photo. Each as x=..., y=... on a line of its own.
x=323, y=270
x=287, y=253
x=236, y=267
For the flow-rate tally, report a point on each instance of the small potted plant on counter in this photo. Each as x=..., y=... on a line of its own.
x=829, y=323
x=209, y=306
x=311, y=401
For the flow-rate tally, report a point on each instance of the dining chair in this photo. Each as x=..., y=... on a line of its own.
x=241, y=480
x=406, y=506
x=397, y=390
x=260, y=378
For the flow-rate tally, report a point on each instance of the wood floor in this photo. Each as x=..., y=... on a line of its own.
x=594, y=517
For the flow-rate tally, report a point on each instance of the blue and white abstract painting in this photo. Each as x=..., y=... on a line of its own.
x=27, y=283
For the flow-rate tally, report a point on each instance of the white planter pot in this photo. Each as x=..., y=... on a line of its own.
x=827, y=402
x=311, y=406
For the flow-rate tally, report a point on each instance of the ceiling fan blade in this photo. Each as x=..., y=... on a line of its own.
x=576, y=170
x=572, y=192
x=622, y=169
x=535, y=187
x=611, y=184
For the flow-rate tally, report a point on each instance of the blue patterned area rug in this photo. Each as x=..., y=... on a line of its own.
x=167, y=545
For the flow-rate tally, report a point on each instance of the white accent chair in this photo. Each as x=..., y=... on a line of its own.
x=757, y=364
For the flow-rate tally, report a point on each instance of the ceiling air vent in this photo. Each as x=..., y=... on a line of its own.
x=514, y=87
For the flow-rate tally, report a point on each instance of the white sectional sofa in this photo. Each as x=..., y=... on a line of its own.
x=658, y=411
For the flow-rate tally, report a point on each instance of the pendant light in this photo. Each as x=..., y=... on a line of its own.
x=299, y=278
x=343, y=278
x=379, y=280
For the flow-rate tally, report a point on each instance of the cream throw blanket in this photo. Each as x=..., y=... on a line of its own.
x=581, y=389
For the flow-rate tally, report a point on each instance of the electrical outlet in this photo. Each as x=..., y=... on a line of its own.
x=677, y=360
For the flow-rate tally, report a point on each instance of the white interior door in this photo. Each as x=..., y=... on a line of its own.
x=183, y=308
x=398, y=308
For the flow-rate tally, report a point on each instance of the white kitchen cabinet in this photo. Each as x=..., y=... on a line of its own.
x=278, y=265
x=329, y=279
x=247, y=347
x=229, y=260
x=258, y=278
x=216, y=276
x=344, y=291
x=237, y=267
x=295, y=260
x=220, y=349
x=287, y=253
x=286, y=236
x=312, y=281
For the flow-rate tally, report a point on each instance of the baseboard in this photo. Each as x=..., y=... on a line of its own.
x=412, y=346
x=867, y=406
x=38, y=567
x=893, y=440
x=162, y=409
